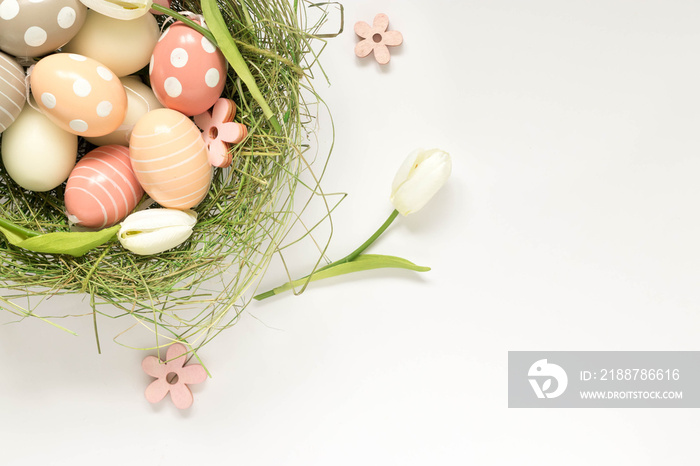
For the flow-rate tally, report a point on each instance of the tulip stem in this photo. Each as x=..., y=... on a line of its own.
x=366, y=244
x=349, y=258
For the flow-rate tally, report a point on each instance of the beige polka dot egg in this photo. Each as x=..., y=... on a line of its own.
x=79, y=94
x=32, y=28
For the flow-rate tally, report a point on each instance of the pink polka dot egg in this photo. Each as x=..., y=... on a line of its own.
x=187, y=71
x=79, y=94
x=102, y=189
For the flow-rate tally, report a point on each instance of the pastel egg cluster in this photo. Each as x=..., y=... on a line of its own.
x=86, y=91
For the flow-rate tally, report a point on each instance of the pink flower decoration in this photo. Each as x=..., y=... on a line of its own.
x=219, y=131
x=172, y=376
x=376, y=38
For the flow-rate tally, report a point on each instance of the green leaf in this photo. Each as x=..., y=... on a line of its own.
x=359, y=264
x=218, y=28
x=72, y=243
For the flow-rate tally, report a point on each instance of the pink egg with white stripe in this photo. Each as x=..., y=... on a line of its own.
x=102, y=189
x=188, y=72
x=170, y=159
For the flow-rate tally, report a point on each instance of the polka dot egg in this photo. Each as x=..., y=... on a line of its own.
x=170, y=159
x=187, y=71
x=31, y=28
x=13, y=90
x=79, y=94
x=102, y=188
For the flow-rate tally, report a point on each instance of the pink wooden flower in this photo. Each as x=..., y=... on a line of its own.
x=219, y=131
x=172, y=376
x=376, y=38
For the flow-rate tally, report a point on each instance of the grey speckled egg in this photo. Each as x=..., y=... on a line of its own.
x=13, y=90
x=31, y=28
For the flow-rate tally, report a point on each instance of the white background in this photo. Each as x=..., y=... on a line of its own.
x=570, y=223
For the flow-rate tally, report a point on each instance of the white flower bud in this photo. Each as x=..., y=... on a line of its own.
x=156, y=230
x=420, y=176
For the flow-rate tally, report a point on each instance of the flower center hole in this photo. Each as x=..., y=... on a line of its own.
x=377, y=38
x=213, y=132
x=172, y=378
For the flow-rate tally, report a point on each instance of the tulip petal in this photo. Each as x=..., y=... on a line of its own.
x=157, y=390
x=364, y=48
x=404, y=170
x=392, y=38
x=363, y=29
x=381, y=54
x=125, y=9
x=181, y=395
x=154, y=367
x=380, y=23
x=152, y=219
x=153, y=242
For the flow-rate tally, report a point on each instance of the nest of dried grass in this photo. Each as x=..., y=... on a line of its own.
x=193, y=292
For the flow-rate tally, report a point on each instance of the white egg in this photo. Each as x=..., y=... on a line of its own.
x=37, y=154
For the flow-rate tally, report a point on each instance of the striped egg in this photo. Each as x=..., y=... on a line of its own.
x=102, y=188
x=13, y=90
x=170, y=160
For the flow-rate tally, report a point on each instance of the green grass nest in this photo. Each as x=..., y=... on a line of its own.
x=193, y=292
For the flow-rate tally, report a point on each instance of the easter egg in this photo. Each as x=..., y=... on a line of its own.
x=187, y=71
x=123, y=46
x=13, y=90
x=79, y=94
x=169, y=158
x=31, y=28
x=37, y=154
x=140, y=100
x=102, y=188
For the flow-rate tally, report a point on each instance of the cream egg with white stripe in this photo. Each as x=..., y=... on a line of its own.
x=13, y=90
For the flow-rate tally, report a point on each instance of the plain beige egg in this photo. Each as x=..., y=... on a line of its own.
x=141, y=100
x=37, y=154
x=122, y=46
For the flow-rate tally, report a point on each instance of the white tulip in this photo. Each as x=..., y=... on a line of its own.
x=420, y=176
x=156, y=230
x=120, y=9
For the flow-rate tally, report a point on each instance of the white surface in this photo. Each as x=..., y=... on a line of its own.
x=570, y=223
